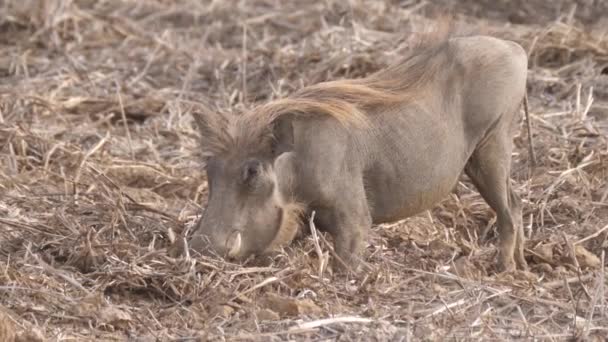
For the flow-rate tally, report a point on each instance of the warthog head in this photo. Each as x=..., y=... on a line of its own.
x=249, y=209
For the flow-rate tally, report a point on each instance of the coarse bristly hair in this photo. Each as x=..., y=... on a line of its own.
x=348, y=101
x=291, y=223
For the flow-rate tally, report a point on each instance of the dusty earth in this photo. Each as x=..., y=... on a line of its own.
x=101, y=176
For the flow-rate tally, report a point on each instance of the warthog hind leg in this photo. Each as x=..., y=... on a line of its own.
x=489, y=169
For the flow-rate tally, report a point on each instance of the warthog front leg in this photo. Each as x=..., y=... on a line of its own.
x=350, y=243
x=348, y=222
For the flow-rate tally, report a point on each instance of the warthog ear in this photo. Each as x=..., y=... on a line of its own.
x=213, y=129
x=284, y=167
x=282, y=132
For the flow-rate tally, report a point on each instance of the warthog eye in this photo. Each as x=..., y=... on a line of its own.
x=251, y=170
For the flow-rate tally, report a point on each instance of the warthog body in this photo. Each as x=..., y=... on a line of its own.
x=367, y=151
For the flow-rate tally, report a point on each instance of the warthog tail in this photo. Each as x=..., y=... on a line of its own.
x=531, y=152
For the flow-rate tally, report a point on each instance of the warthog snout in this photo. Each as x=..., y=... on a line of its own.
x=229, y=247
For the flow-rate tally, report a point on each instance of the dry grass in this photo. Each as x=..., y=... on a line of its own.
x=101, y=180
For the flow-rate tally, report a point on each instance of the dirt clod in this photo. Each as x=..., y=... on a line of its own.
x=586, y=259
x=7, y=328
x=267, y=315
x=289, y=307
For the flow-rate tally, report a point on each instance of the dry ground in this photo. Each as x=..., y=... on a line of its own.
x=100, y=176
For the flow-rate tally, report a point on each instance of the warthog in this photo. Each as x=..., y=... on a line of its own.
x=367, y=151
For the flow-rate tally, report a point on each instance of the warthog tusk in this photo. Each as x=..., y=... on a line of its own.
x=236, y=246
